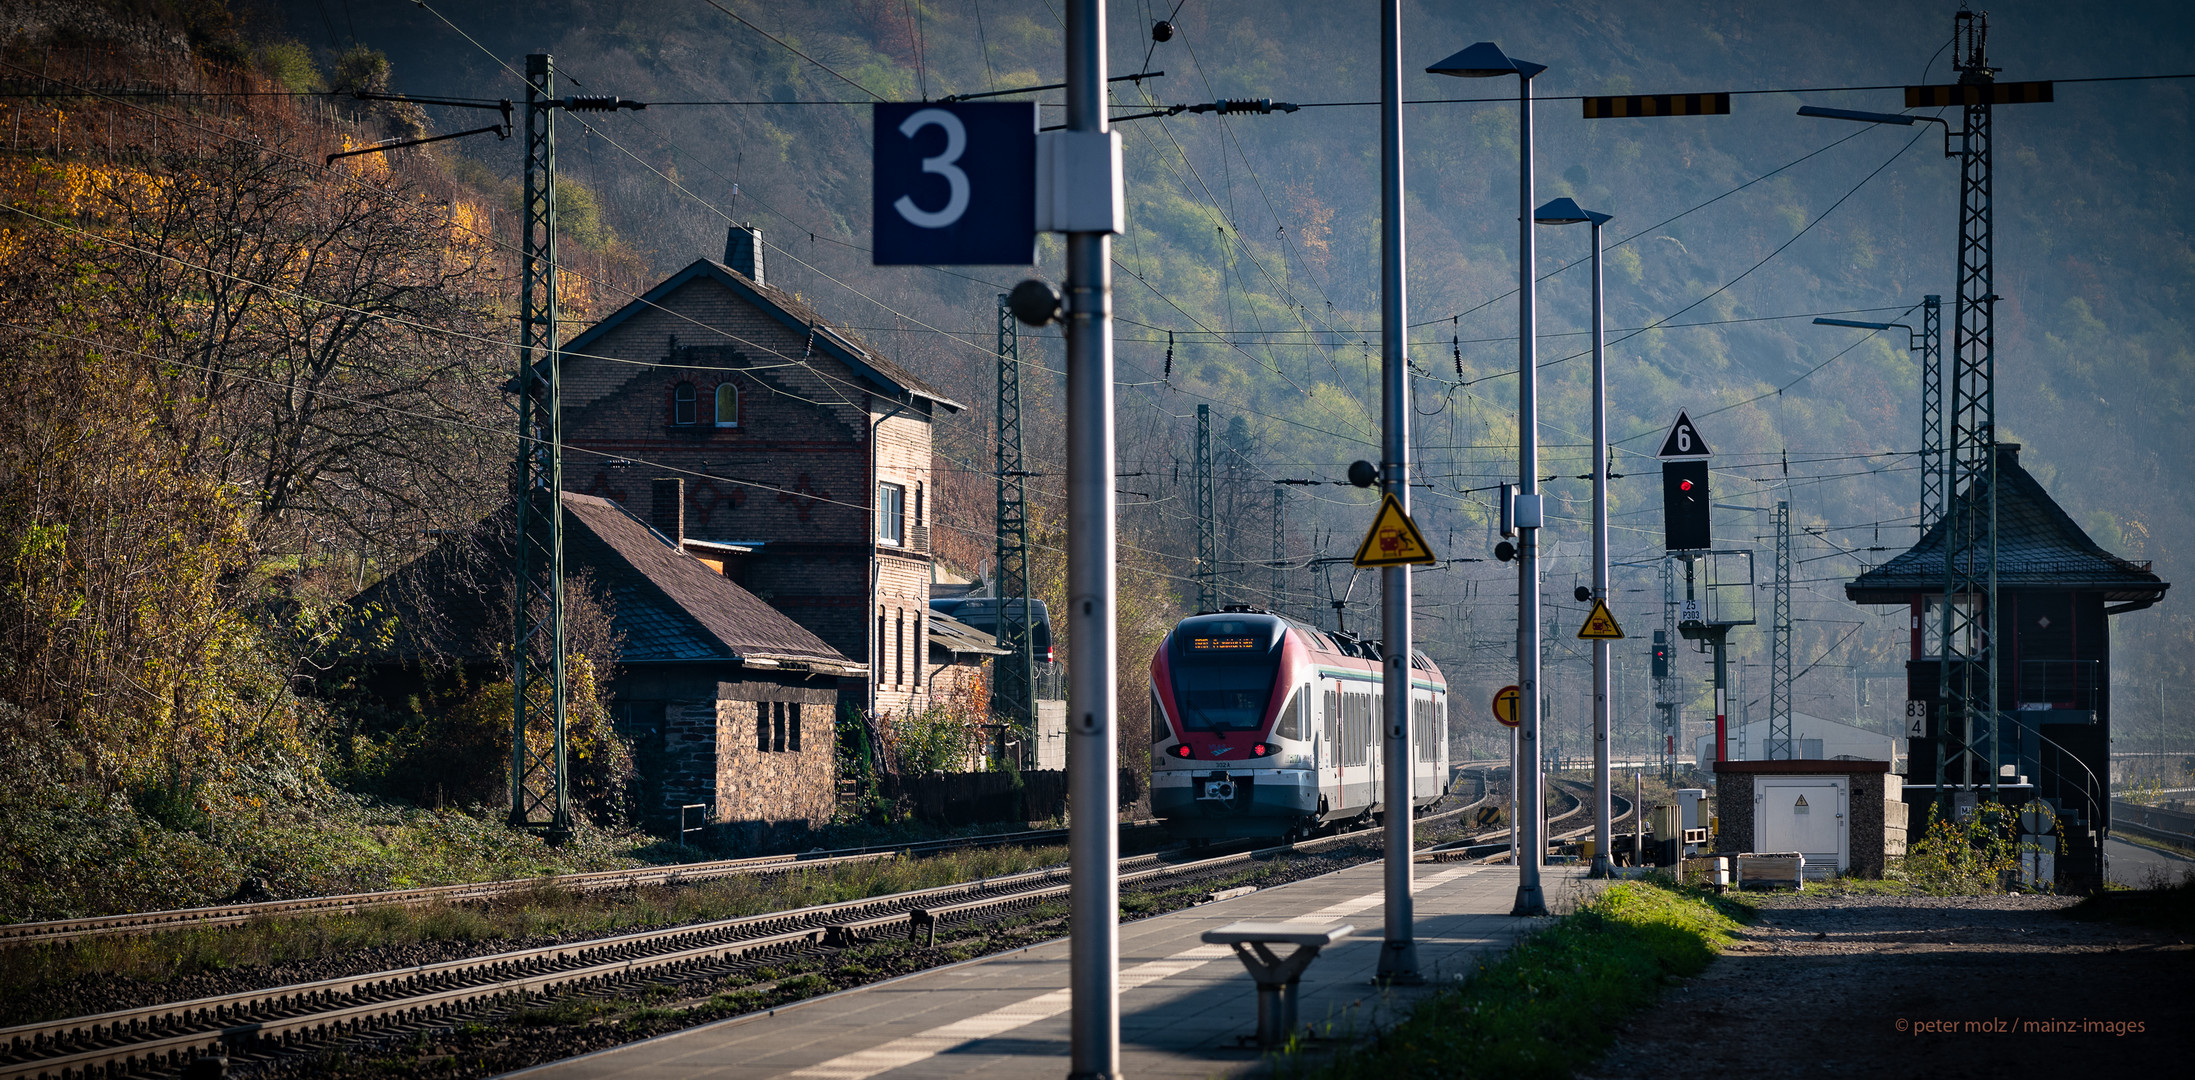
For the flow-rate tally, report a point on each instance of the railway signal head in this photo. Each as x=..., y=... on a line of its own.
x=1685, y=505
x=1661, y=654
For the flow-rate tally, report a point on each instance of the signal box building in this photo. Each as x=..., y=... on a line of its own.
x=784, y=452
x=2056, y=593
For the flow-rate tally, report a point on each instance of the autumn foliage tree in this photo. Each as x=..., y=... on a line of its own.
x=218, y=356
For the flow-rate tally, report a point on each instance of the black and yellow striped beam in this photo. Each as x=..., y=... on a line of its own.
x=2004, y=93
x=1622, y=106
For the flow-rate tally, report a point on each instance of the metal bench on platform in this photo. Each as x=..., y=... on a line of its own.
x=1276, y=978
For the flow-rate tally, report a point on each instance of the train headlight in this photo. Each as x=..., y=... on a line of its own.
x=1263, y=749
x=1180, y=750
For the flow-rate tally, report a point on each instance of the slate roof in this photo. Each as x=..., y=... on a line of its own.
x=671, y=606
x=2038, y=547
x=886, y=374
x=961, y=639
x=668, y=605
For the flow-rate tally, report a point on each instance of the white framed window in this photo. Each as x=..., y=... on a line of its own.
x=727, y=405
x=891, y=513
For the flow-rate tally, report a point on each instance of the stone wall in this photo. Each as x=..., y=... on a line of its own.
x=777, y=764
x=706, y=751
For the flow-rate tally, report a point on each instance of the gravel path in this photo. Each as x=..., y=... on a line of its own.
x=1920, y=986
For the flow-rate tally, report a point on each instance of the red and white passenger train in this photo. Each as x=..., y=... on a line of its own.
x=1265, y=726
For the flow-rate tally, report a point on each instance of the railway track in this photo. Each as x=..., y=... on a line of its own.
x=150, y=922
x=1580, y=799
x=287, y=1018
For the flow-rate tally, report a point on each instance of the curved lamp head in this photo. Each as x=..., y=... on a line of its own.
x=1566, y=211
x=1900, y=119
x=1484, y=60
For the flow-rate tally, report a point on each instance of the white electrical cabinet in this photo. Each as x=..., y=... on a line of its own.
x=1808, y=814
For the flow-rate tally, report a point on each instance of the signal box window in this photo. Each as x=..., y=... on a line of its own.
x=727, y=405
x=891, y=507
x=683, y=404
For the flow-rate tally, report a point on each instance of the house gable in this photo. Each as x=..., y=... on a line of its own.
x=879, y=375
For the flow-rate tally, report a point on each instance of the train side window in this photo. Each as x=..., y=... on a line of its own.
x=1290, y=723
x=1356, y=727
x=1160, y=729
x=1332, y=722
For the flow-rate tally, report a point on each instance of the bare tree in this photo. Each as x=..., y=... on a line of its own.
x=333, y=344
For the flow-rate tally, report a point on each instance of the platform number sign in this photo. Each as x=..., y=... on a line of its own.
x=1916, y=719
x=955, y=183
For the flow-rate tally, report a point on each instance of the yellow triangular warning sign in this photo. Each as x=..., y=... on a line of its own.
x=1394, y=539
x=1599, y=623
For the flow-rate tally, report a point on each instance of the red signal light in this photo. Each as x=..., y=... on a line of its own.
x=1684, y=485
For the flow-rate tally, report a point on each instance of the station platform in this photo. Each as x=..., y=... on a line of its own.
x=1187, y=1009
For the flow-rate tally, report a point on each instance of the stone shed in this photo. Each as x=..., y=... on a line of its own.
x=728, y=702
x=1845, y=816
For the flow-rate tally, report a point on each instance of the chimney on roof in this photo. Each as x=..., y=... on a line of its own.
x=2008, y=453
x=743, y=252
x=667, y=509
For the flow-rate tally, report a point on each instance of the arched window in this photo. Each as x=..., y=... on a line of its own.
x=727, y=405
x=682, y=404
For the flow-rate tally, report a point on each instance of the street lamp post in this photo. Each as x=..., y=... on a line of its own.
x=1566, y=212
x=1928, y=341
x=1486, y=60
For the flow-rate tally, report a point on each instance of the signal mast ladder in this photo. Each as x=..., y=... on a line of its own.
x=1276, y=978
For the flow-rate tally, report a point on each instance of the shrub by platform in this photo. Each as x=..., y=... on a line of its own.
x=1545, y=1007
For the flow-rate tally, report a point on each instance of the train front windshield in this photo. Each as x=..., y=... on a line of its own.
x=1223, y=674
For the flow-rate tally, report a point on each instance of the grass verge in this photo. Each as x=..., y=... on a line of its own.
x=1545, y=1008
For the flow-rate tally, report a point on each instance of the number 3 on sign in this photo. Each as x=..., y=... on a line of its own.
x=954, y=184
x=956, y=143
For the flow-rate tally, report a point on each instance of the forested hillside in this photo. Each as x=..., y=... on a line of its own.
x=1247, y=279
x=235, y=384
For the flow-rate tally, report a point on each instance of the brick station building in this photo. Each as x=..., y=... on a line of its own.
x=783, y=451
